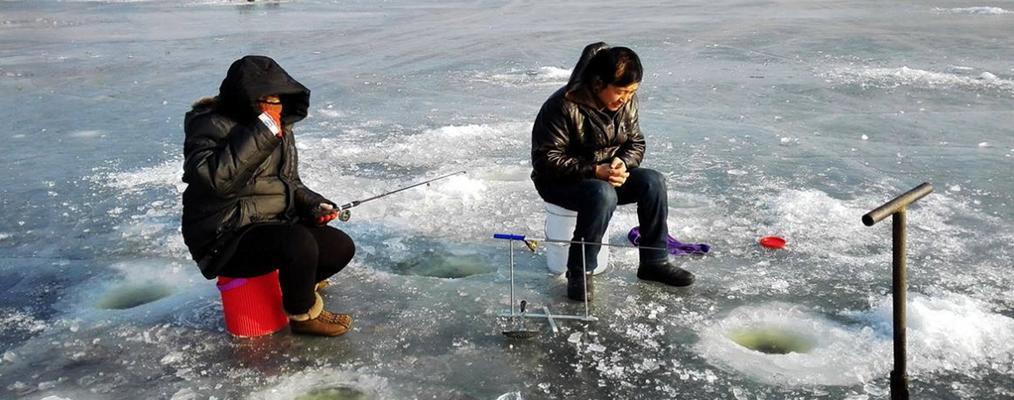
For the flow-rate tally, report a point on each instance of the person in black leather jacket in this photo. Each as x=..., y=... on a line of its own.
x=587, y=148
x=245, y=210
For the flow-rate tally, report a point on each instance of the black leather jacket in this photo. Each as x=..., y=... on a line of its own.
x=238, y=173
x=573, y=133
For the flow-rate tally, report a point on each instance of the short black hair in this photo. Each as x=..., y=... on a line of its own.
x=618, y=66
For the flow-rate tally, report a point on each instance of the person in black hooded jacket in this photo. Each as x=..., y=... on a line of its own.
x=245, y=210
x=587, y=149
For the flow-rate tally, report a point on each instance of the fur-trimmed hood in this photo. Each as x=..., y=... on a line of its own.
x=251, y=78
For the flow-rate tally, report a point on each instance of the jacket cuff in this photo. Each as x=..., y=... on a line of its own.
x=270, y=123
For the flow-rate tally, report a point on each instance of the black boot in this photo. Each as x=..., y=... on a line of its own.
x=666, y=273
x=576, y=286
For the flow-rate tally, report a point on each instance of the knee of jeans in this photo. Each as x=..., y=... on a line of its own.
x=603, y=196
x=654, y=179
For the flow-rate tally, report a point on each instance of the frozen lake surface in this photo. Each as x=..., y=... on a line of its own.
x=791, y=118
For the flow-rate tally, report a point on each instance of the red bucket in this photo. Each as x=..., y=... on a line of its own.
x=252, y=306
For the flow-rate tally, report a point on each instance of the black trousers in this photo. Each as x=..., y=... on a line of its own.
x=595, y=200
x=303, y=256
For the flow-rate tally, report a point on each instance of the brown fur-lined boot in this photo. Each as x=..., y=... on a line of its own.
x=320, y=322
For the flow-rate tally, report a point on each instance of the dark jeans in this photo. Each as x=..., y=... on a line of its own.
x=303, y=255
x=595, y=200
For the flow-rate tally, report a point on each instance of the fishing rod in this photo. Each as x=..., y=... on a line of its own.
x=344, y=214
x=533, y=243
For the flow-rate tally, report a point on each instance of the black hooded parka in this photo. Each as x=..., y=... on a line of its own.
x=238, y=173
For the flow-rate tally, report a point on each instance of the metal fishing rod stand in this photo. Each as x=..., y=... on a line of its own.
x=551, y=318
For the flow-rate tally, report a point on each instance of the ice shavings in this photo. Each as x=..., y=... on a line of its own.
x=166, y=174
x=451, y=144
x=867, y=77
x=14, y=320
x=540, y=76
x=337, y=383
x=636, y=347
x=949, y=332
x=837, y=232
x=510, y=396
x=841, y=356
x=153, y=225
x=87, y=134
x=981, y=10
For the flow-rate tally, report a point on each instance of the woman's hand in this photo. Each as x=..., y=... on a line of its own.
x=615, y=172
x=272, y=107
x=325, y=213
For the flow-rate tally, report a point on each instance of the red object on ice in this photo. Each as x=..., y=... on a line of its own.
x=772, y=242
x=252, y=306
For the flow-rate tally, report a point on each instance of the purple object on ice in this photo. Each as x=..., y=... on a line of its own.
x=674, y=246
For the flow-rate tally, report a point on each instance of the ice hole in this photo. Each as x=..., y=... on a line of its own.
x=130, y=296
x=334, y=393
x=772, y=340
x=451, y=266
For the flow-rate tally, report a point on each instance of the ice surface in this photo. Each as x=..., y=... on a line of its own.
x=543, y=76
x=982, y=10
x=792, y=119
x=326, y=384
x=949, y=333
x=840, y=356
x=905, y=76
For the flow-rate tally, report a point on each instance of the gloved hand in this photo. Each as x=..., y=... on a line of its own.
x=324, y=213
x=271, y=106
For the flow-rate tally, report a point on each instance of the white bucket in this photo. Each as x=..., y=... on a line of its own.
x=560, y=224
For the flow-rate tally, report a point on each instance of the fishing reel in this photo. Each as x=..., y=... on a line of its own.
x=325, y=211
x=345, y=215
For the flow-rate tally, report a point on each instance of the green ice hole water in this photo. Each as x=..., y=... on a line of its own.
x=333, y=393
x=445, y=266
x=772, y=340
x=130, y=296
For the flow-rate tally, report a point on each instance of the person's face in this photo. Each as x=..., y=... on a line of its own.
x=271, y=99
x=615, y=97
